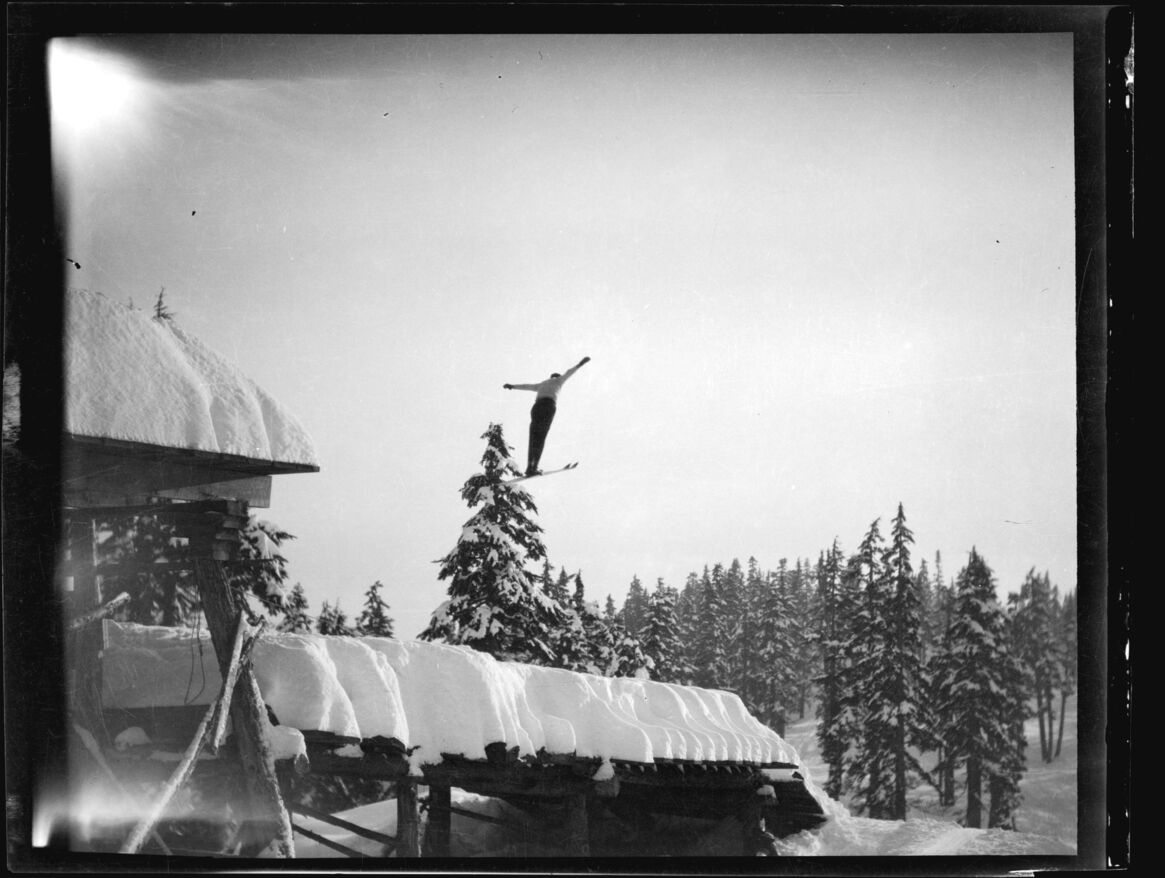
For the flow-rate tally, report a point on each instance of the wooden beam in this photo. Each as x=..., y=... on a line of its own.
x=220, y=706
x=541, y=782
x=324, y=817
x=248, y=715
x=99, y=613
x=326, y=842
x=256, y=490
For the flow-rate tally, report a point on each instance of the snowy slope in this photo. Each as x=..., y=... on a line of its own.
x=443, y=699
x=134, y=378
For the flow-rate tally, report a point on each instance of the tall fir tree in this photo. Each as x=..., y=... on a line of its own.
x=609, y=612
x=660, y=637
x=1005, y=768
x=496, y=605
x=634, y=614
x=872, y=769
x=712, y=656
x=838, y=592
x=1067, y=637
x=374, y=620
x=975, y=685
x=900, y=684
x=1035, y=619
x=334, y=621
x=296, y=619
x=803, y=659
x=688, y=619
x=775, y=685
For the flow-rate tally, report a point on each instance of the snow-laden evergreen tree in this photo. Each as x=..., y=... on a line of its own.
x=975, y=688
x=1035, y=619
x=749, y=671
x=1066, y=636
x=942, y=604
x=774, y=685
x=169, y=596
x=838, y=591
x=594, y=643
x=574, y=641
x=925, y=591
x=688, y=618
x=713, y=638
x=893, y=681
x=374, y=620
x=609, y=612
x=627, y=658
x=332, y=620
x=660, y=637
x=559, y=589
x=578, y=597
x=496, y=604
x=803, y=661
x=1005, y=769
x=296, y=619
x=872, y=768
x=634, y=614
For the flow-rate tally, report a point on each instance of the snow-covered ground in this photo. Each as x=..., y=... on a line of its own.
x=1045, y=823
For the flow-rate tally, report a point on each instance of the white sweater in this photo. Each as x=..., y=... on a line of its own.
x=549, y=388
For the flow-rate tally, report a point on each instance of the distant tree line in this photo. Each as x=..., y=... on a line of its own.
x=902, y=665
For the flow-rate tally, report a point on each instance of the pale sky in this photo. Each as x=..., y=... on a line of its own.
x=816, y=275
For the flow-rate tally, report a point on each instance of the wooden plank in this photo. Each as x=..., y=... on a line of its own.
x=326, y=763
x=326, y=842
x=256, y=490
x=324, y=817
x=549, y=782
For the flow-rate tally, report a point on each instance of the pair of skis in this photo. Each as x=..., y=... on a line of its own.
x=536, y=475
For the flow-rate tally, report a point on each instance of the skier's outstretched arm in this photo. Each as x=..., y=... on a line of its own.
x=520, y=386
x=575, y=367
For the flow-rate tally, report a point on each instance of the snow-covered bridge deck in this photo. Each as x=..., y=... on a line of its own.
x=448, y=716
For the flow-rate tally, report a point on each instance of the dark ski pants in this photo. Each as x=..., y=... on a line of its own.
x=540, y=417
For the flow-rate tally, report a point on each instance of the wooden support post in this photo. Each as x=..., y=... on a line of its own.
x=81, y=565
x=576, y=832
x=248, y=718
x=440, y=821
x=754, y=838
x=408, y=836
x=221, y=707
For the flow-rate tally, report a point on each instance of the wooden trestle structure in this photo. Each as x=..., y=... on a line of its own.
x=769, y=800
x=207, y=498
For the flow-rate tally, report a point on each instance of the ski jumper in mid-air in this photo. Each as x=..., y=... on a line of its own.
x=545, y=405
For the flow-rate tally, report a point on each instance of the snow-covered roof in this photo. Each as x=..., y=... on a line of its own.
x=134, y=378
x=443, y=699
